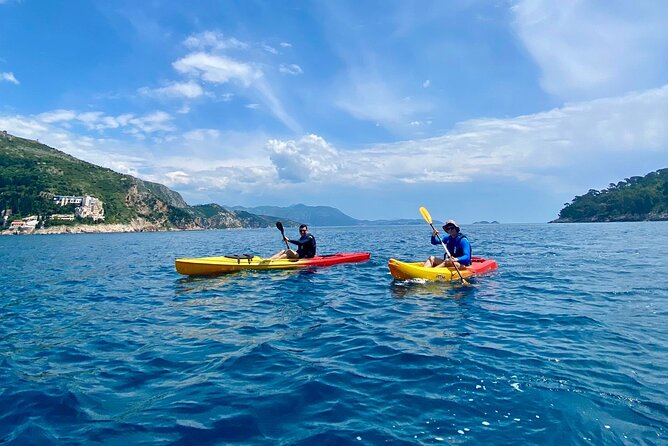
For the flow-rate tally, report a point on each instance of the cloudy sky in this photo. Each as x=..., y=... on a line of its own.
x=477, y=109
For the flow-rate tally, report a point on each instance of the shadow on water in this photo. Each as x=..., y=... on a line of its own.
x=402, y=289
x=211, y=282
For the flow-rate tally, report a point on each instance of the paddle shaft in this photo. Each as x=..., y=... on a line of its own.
x=427, y=217
x=448, y=253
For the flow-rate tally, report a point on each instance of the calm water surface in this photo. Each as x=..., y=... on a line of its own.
x=101, y=341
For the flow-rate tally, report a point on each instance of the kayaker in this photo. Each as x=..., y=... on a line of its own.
x=305, y=246
x=458, y=246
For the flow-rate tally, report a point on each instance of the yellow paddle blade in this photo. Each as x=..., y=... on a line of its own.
x=425, y=214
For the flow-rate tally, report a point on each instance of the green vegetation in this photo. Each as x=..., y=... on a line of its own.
x=32, y=173
x=634, y=199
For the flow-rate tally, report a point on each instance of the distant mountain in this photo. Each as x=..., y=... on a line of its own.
x=217, y=215
x=485, y=222
x=300, y=213
x=31, y=174
x=634, y=199
x=398, y=222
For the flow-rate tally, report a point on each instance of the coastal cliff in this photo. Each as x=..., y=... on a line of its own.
x=33, y=176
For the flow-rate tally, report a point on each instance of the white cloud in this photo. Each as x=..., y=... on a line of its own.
x=564, y=142
x=97, y=120
x=177, y=177
x=559, y=147
x=154, y=122
x=202, y=135
x=374, y=99
x=276, y=107
x=209, y=64
x=310, y=158
x=9, y=77
x=292, y=69
x=212, y=40
x=188, y=90
x=591, y=49
x=426, y=83
x=269, y=48
x=57, y=116
x=24, y=127
x=217, y=69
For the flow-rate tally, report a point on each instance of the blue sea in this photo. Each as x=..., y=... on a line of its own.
x=102, y=342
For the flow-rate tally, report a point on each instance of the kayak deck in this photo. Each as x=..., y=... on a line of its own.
x=415, y=270
x=227, y=264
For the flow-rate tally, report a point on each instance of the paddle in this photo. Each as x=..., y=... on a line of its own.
x=279, y=225
x=427, y=218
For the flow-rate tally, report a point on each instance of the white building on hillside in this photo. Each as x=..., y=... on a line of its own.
x=90, y=207
x=64, y=200
x=87, y=206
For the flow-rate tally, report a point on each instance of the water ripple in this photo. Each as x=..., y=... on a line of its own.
x=557, y=346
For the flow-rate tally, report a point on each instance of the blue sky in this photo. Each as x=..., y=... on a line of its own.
x=478, y=110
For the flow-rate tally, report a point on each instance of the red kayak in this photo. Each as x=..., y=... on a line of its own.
x=227, y=264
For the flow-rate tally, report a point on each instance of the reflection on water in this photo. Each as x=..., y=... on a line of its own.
x=191, y=284
x=420, y=288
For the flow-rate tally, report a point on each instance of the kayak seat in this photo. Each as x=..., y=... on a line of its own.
x=248, y=257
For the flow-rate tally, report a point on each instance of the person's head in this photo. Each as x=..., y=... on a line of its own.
x=303, y=229
x=451, y=227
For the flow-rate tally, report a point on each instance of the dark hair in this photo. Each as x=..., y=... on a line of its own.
x=302, y=227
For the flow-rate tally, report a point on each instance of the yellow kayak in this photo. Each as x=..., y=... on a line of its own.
x=226, y=264
x=415, y=270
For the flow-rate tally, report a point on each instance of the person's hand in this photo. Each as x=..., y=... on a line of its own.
x=435, y=233
x=285, y=238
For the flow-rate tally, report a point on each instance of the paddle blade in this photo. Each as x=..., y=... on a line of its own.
x=425, y=214
x=279, y=225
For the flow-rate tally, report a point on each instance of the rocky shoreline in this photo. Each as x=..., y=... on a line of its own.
x=619, y=219
x=137, y=225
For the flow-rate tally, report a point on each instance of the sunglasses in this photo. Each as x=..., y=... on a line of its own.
x=302, y=230
x=449, y=228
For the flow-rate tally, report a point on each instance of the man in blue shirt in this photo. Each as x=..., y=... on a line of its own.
x=458, y=246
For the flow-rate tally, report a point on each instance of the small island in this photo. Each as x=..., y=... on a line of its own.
x=485, y=222
x=634, y=199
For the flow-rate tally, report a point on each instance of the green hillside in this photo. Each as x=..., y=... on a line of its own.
x=634, y=199
x=31, y=173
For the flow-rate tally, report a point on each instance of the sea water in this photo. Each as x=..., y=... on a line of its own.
x=101, y=341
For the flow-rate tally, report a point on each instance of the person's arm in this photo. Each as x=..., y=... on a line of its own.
x=435, y=240
x=308, y=241
x=466, y=247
